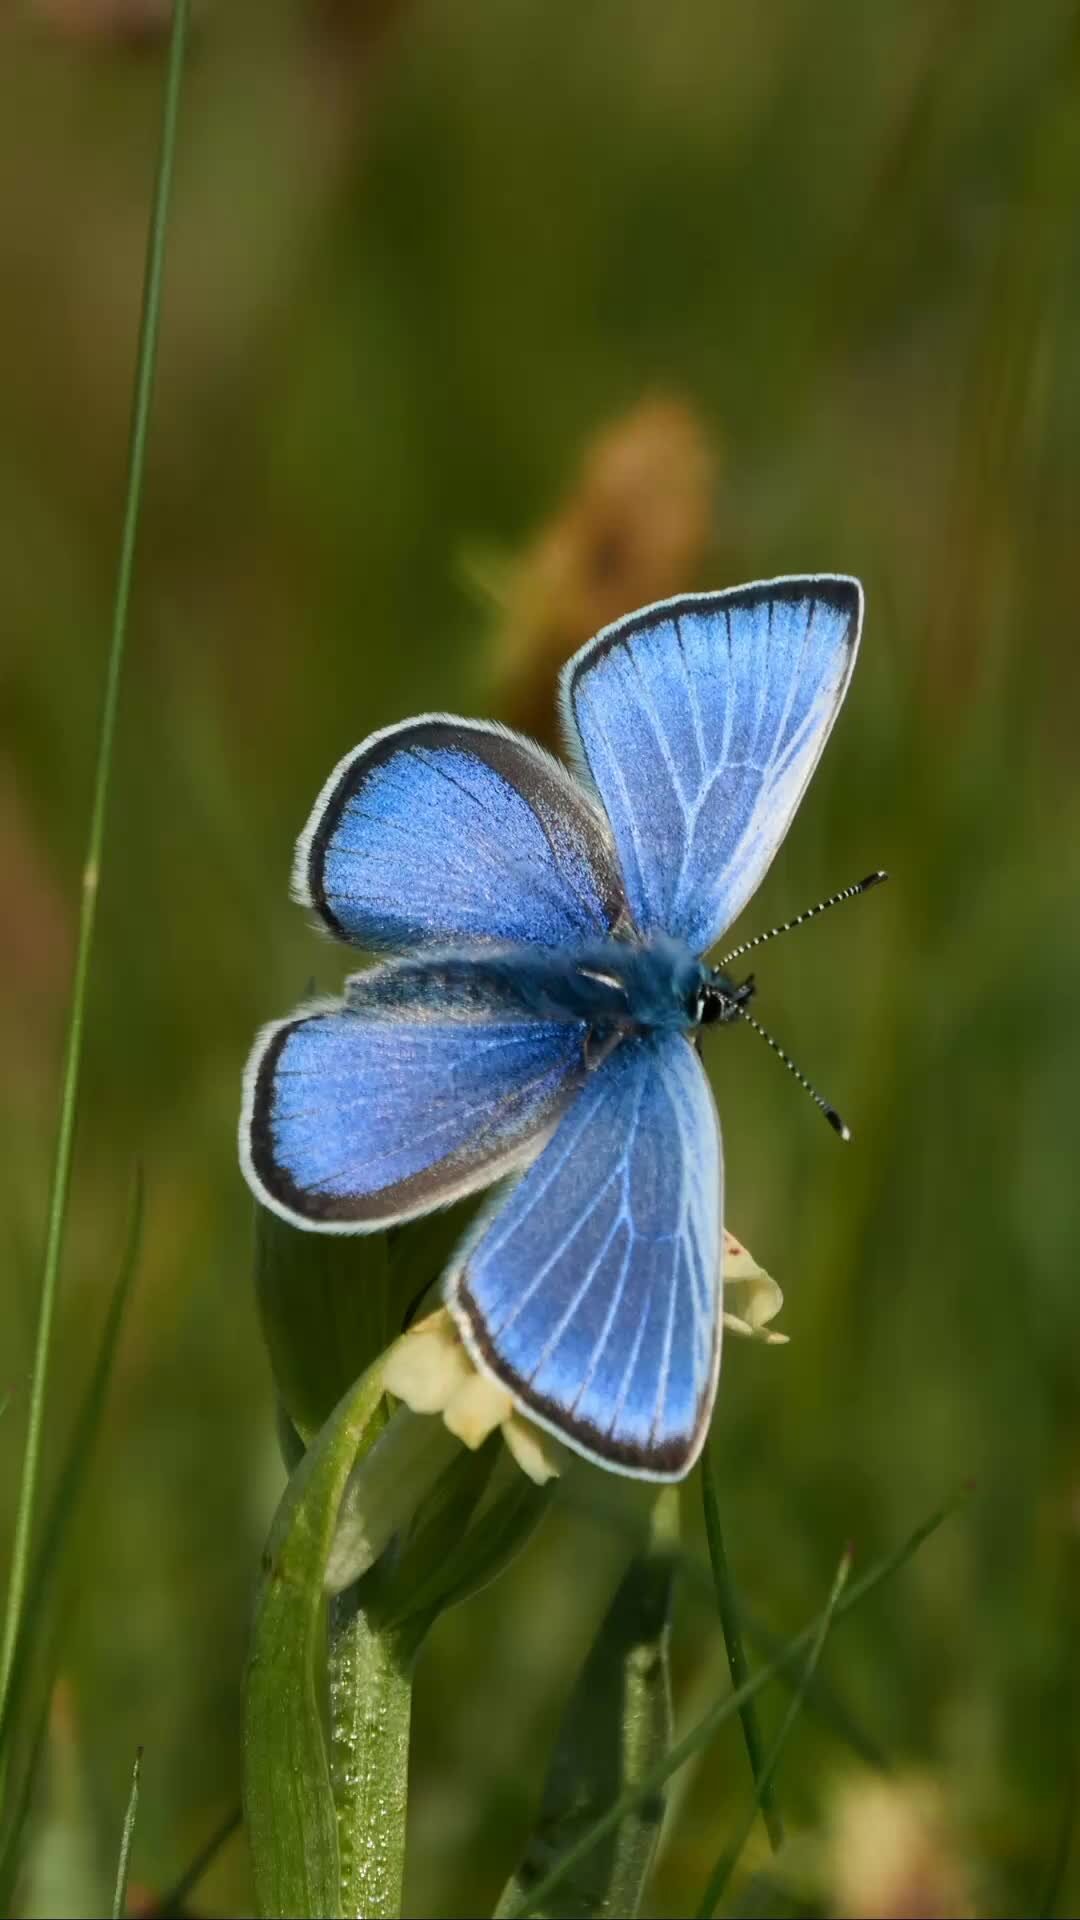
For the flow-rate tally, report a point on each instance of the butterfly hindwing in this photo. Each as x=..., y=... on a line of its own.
x=592, y=1293
x=443, y=830
x=402, y=1100
x=700, y=721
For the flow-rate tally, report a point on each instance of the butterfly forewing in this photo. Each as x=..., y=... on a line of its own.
x=592, y=1293
x=444, y=830
x=700, y=721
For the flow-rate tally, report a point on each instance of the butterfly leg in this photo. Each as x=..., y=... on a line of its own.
x=599, y=1044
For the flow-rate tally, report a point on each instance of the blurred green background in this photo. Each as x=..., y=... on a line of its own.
x=483, y=324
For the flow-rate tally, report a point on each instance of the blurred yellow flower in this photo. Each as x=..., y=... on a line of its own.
x=889, y=1852
x=637, y=525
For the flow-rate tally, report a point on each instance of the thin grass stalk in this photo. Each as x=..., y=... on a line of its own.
x=738, y=1665
x=95, y=845
x=178, y=1894
x=723, y=1710
x=17, y=1805
x=123, y=1864
x=616, y=1725
x=821, y=1699
x=729, y=1859
x=41, y=1621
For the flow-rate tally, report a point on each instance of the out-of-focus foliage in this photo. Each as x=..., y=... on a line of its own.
x=483, y=323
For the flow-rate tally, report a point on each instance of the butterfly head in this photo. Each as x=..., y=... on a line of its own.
x=722, y=998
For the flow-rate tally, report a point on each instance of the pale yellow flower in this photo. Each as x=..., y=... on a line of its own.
x=429, y=1369
x=751, y=1296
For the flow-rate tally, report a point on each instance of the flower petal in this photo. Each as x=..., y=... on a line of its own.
x=476, y=1409
x=536, y=1452
x=752, y=1294
x=428, y=1365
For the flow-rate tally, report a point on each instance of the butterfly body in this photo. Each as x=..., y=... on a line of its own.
x=535, y=1012
x=655, y=985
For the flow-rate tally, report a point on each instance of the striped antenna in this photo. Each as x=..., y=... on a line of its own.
x=830, y=1113
x=845, y=893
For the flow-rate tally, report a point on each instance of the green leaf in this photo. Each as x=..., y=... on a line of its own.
x=288, y=1797
x=615, y=1731
x=389, y=1483
x=324, y=1303
x=474, y=1511
x=410, y=1583
x=509, y=1511
x=370, y=1713
x=330, y=1303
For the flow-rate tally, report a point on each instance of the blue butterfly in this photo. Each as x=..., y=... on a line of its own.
x=539, y=1018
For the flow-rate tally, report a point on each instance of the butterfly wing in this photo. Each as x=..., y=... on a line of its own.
x=443, y=830
x=700, y=721
x=592, y=1293
x=404, y=1099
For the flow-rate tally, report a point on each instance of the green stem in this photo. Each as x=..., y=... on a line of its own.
x=731, y=1627
x=123, y=1864
x=61, y=1173
x=729, y=1859
x=370, y=1710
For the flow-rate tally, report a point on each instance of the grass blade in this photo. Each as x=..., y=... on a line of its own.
x=731, y=1627
x=1046, y=1904
x=42, y=1607
x=616, y=1726
x=123, y=1864
x=73, y=1046
x=180, y=1891
x=12, y=1833
x=691, y=1742
x=729, y=1859
x=822, y=1700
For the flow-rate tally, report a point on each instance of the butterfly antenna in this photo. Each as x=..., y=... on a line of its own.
x=834, y=899
x=830, y=1113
